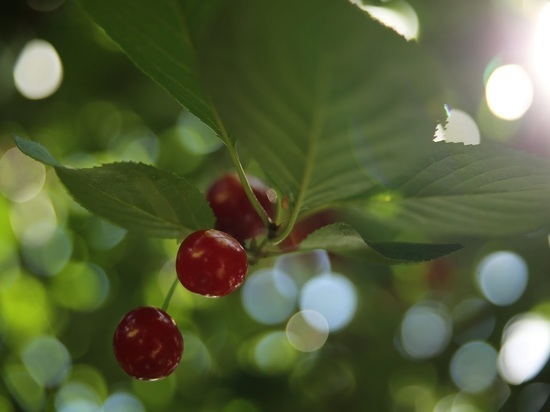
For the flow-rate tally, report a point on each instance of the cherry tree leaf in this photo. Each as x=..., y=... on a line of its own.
x=135, y=196
x=330, y=102
x=157, y=37
x=342, y=238
x=485, y=190
x=36, y=151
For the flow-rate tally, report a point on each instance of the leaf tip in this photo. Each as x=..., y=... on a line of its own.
x=35, y=150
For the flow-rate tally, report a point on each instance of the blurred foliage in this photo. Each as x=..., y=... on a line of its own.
x=67, y=277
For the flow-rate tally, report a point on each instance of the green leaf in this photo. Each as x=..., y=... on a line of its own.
x=335, y=237
x=36, y=151
x=330, y=102
x=406, y=252
x=156, y=36
x=139, y=197
x=484, y=190
x=135, y=196
x=342, y=238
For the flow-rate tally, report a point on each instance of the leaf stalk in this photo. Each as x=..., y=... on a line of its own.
x=240, y=170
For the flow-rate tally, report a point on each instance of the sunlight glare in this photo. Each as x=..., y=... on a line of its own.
x=50, y=255
x=541, y=46
x=122, y=401
x=307, y=331
x=269, y=296
x=47, y=360
x=474, y=366
x=459, y=128
x=34, y=221
x=21, y=178
x=502, y=277
x=525, y=349
x=509, y=92
x=38, y=71
x=302, y=267
x=76, y=396
x=425, y=330
x=399, y=16
x=333, y=296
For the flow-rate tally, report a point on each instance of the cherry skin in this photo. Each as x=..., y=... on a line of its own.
x=304, y=227
x=234, y=211
x=211, y=263
x=147, y=343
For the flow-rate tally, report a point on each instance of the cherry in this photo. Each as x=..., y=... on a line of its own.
x=440, y=274
x=147, y=343
x=304, y=227
x=234, y=211
x=211, y=263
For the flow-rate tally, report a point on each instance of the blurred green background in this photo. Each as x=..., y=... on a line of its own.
x=467, y=333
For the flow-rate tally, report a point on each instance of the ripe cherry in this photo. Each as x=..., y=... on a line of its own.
x=211, y=263
x=304, y=227
x=234, y=212
x=147, y=343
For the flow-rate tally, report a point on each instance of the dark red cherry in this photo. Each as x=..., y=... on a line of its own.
x=147, y=343
x=304, y=227
x=211, y=263
x=234, y=212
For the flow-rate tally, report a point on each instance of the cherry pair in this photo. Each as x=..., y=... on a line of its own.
x=147, y=343
x=213, y=262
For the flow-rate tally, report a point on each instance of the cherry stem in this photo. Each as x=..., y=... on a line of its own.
x=287, y=228
x=248, y=189
x=168, y=297
x=240, y=171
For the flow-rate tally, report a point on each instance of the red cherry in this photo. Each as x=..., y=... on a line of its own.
x=234, y=212
x=147, y=343
x=440, y=274
x=304, y=227
x=211, y=263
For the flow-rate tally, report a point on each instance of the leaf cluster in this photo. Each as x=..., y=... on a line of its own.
x=337, y=109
